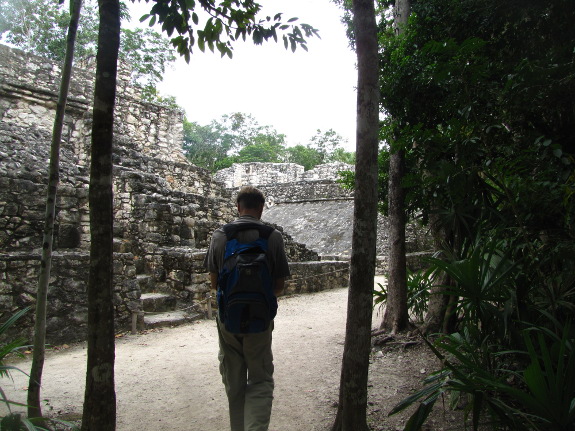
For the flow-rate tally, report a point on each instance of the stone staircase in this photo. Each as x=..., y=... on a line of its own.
x=161, y=309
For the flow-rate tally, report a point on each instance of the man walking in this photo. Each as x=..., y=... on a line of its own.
x=246, y=360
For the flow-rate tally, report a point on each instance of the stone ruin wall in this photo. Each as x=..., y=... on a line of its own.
x=316, y=209
x=29, y=89
x=259, y=173
x=165, y=208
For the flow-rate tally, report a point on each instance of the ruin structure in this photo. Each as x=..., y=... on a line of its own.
x=315, y=209
x=165, y=208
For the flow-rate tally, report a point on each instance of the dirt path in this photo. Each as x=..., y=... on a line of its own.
x=169, y=379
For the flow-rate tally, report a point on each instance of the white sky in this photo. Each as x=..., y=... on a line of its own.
x=295, y=93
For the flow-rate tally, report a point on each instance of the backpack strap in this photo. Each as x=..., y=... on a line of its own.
x=231, y=229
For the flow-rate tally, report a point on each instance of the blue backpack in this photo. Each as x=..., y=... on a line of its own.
x=246, y=300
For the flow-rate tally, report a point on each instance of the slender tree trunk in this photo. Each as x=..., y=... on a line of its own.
x=34, y=405
x=440, y=316
x=438, y=300
x=100, y=398
x=351, y=414
x=396, y=317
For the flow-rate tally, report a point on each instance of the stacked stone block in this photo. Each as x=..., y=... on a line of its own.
x=267, y=174
x=164, y=208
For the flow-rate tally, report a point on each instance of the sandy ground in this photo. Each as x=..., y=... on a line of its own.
x=168, y=379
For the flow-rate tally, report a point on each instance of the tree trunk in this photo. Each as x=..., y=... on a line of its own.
x=100, y=398
x=351, y=414
x=396, y=317
x=34, y=405
x=439, y=317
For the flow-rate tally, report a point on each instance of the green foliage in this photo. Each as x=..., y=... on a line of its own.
x=262, y=152
x=14, y=421
x=12, y=347
x=418, y=290
x=148, y=53
x=303, y=155
x=40, y=26
x=239, y=138
x=226, y=23
x=235, y=138
x=484, y=363
x=201, y=145
x=463, y=100
x=540, y=396
x=340, y=155
x=325, y=143
x=323, y=147
x=483, y=286
x=474, y=92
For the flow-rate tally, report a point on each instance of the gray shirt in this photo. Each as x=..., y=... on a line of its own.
x=276, y=251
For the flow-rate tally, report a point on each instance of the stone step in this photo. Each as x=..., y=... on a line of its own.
x=168, y=318
x=145, y=282
x=157, y=302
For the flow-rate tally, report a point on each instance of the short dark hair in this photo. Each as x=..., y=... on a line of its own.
x=250, y=198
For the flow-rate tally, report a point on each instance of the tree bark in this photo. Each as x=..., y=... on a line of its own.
x=439, y=317
x=396, y=317
x=100, y=398
x=351, y=414
x=34, y=405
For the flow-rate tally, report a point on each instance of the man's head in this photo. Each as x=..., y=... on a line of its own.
x=250, y=201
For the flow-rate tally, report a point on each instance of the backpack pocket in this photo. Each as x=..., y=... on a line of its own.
x=247, y=313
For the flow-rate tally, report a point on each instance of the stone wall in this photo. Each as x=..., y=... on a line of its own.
x=29, y=92
x=24, y=156
x=67, y=300
x=327, y=171
x=240, y=174
x=310, y=277
x=317, y=210
x=164, y=208
x=262, y=174
x=304, y=191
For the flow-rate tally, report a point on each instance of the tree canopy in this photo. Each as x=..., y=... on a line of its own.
x=479, y=95
x=239, y=138
x=225, y=23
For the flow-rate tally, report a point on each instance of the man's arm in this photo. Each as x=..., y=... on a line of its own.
x=279, y=286
x=214, y=280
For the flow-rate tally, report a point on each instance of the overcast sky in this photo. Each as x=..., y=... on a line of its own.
x=296, y=93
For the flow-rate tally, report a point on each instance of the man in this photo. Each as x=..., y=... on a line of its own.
x=246, y=360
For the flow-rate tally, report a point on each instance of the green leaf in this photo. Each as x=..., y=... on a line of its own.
x=418, y=418
x=431, y=391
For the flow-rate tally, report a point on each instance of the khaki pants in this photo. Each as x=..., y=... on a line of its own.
x=246, y=366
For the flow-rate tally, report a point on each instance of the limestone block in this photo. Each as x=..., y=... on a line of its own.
x=38, y=110
x=80, y=317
